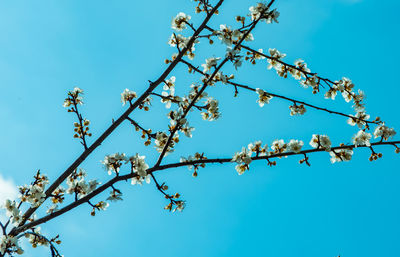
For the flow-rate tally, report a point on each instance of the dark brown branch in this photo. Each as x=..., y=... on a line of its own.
x=134, y=123
x=211, y=78
x=176, y=165
x=236, y=85
x=327, y=81
x=161, y=189
x=307, y=74
x=117, y=122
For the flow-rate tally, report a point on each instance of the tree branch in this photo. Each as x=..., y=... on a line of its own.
x=176, y=165
x=164, y=151
x=281, y=96
x=123, y=117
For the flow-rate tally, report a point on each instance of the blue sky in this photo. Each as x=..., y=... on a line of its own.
x=48, y=47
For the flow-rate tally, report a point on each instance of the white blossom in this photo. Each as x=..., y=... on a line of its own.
x=279, y=146
x=10, y=244
x=188, y=159
x=225, y=34
x=169, y=83
x=102, y=205
x=212, y=110
x=74, y=95
x=323, y=141
x=168, y=97
x=295, y=145
x=127, y=96
x=312, y=82
x=297, y=109
x=13, y=212
x=36, y=195
x=243, y=159
x=219, y=76
x=358, y=99
x=301, y=69
x=179, y=21
x=113, y=162
x=257, y=11
x=210, y=62
x=161, y=141
x=263, y=97
x=114, y=196
x=358, y=119
x=331, y=94
x=260, y=10
x=383, y=131
x=276, y=55
x=362, y=138
x=341, y=155
x=258, y=55
x=139, y=180
x=52, y=209
x=257, y=148
x=77, y=184
x=187, y=130
x=139, y=165
x=233, y=55
x=180, y=205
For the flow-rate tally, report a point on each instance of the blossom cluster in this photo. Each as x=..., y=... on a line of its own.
x=263, y=97
x=253, y=56
x=78, y=185
x=74, y=97
x=341, y=155
x=168, y=94
x=37, y=239
x=229, y=36
x=82, y=129
x=9, y=244
x=210, y=111
x=301, y=72
x=161, y=141
x=113, y=162
x=34, y=193
x=212, y=107
x=244, y=158
x=297, y=109
x=220, y=77
x=210, y=62
x=384, y=132
x=13, y=212
x=100, y=206
x=196, y=157
x=145, y=103
x=321, y=141
x=179, y=205
x=261, y=10
x=233, y=55
x=179, y=21
x=127, y=96
x=181, y=42
x=138, y=165
x=362, y=138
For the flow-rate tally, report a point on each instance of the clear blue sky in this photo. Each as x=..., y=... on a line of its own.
x=48, y=47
